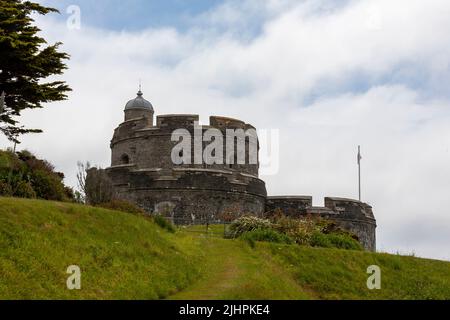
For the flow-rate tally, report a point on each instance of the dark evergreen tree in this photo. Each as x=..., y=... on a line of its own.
x=26, y=60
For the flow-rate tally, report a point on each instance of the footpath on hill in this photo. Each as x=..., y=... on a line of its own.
x=236, y=271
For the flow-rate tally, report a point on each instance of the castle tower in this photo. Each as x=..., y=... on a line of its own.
x=143, y=171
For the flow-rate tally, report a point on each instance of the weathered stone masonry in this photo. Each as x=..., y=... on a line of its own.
x=351, y=215
x=142, y=172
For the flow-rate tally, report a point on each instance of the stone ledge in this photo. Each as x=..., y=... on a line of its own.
x=120, y=166
x=203, y=170
x=195, y=189
x=166, y=178
x=289, y=198
x=147, y=170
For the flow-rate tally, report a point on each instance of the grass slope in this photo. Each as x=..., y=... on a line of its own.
x=120, y=255
x=123, y=256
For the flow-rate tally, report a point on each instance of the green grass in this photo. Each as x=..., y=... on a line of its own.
x=125, y=256
x=341, y=274
x=233, y=270
x=121, y=256
x=164, y=223
x=267, y=235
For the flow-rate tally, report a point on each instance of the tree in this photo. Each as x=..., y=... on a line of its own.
x=25, y=62
x=83, y=169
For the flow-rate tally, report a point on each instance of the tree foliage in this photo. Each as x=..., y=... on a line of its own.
x=26, y=60
x=25, y=176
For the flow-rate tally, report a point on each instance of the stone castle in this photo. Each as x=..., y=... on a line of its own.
x=142, y=171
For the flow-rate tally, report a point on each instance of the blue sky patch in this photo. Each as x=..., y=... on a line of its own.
x=135, y=14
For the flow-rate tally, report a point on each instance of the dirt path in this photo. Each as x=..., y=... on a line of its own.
x=236, y=271
x=223, y=270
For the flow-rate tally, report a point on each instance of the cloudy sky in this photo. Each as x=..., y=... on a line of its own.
x=328, y=74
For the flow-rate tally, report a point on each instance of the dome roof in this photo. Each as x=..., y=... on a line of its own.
x=139, y=103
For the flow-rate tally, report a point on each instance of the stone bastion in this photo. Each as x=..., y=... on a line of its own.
x=142, y=171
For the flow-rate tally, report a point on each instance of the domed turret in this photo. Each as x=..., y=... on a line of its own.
x=139, y=108
x=139, y=103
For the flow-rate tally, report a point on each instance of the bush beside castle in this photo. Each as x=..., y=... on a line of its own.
x=23, y=175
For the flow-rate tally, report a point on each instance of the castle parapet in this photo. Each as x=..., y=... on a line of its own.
x=223, y=123
x=176, y=121
x=289, y=205
x=349, y=207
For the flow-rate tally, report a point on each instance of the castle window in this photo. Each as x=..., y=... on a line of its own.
x=125, y=159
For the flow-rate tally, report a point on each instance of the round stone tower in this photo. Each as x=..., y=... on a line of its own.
x=143, y=169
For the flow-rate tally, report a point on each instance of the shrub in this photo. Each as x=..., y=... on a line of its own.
x=35, y=164
x=11, y=168
x=5, y=189
x=6, y=159
x=24, y=190
x=164, y=223
x=267, y=235
x=335, y=240
x=300, y=230
x=309, y=231
x=246, y=224
x=23, y=175
x=122, y=205
x=70, y=194
x=48, y=185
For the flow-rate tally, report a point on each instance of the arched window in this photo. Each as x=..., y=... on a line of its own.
x=125, y=159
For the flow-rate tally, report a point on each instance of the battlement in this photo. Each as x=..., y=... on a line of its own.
x=141, y=123
x=177, y=121
x=226, y=123
x=289, y=205
x=348, y=205
x=304, y=204
x=188, y=120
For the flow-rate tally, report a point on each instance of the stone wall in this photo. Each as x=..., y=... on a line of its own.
x=190, y=195
x=351, y=215
x=133, y=114
x=151, y=146
x=289, y=205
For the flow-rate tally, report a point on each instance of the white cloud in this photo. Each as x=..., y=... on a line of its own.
x=328, y=76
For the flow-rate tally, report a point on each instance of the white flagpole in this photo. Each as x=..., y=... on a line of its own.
x=359, y=172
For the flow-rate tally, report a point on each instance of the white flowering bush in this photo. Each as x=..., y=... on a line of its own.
x=308, y=231
x=246, y=224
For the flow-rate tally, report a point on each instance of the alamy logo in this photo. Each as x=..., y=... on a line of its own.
x=74, y=20
x=74, y=280
x=232, y=147
x=374, y=280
